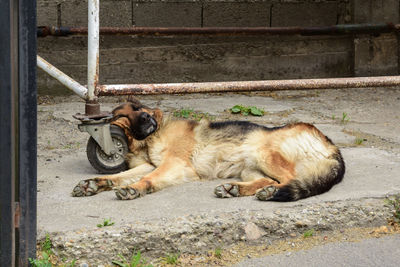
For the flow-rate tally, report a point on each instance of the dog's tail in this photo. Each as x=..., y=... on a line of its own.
x=311, y=186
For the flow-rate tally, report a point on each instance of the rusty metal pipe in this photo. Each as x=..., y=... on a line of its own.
x=240, y=86
x=93, y=48
x=342, y=29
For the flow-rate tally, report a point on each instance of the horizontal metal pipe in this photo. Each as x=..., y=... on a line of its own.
x=62, y=77
x=341, y=29
x=269, y=85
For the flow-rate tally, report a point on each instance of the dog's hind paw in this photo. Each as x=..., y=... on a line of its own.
x=227, y=190
x=126, y=193
x=91, y=187
x=266, y=193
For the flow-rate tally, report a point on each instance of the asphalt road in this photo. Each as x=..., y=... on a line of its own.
x=370, y=252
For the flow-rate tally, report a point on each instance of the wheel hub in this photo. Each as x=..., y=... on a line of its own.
x=114, y=159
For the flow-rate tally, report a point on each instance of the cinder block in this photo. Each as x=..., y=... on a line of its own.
x=304, y=14
x=112, y=13
x=166, y=14
x=376, y=11
x=345, y=12
x=46, y=13
x=47, y=85
x=376, y=55
x=61, y=44
x=230, y=14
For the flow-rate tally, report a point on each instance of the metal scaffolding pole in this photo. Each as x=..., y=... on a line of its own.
x=93, y=48
x=92, y=107
x=341, y=29
x=62, y=77
x=240, y=86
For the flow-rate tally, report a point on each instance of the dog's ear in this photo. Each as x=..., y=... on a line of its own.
x=135, y=103
x=158, y=116
x=125, y=124
x=123, y=110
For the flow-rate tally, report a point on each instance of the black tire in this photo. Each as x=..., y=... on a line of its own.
x=109, y=164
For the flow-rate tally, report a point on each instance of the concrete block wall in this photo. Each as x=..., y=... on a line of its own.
x=130, y=59
x=376, y=55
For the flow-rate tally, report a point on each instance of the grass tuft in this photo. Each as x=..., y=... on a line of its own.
x=192, y=115
x=136, y=261
x=44, y=261
x=359, y=141
x=218, y=252
x=171, y=259
x=345, y=118
x=308, y=233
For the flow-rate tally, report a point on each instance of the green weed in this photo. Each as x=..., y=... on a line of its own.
x=43, y=262
x=394, y=203
x=106, y=222
x=345, y=118
x=136, y=261
x=47, y=245
x=359, y=141
x=193, y=115
x=72, y=264
x=183, y=113
x=72, y=145
x=308, y=233
x=171, y=259
x=245, y=111
x=218, y=252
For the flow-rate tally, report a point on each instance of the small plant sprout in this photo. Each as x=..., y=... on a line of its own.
x=218, y=252
x=171, y=259
x=72, y=264
x=106, y=222
x=47, y=245
x=193, y=115
x=394, y=203
x=245, y=111
x=308, y=233
x=136, y=261
x=43, y=262
x=345, y=118
x=183, y=113
x=359, y=141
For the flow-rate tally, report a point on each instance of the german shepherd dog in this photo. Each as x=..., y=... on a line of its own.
x=279, y=164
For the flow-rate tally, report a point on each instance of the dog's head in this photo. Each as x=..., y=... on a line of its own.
x=143, y=121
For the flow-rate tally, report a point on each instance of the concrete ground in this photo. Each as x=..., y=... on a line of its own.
x=364, y=123
x=369, y=252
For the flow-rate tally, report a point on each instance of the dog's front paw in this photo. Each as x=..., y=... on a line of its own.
x=91, y=187
x=227, y=190
x=126, y=193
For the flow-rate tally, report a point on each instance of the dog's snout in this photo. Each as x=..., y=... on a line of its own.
x=145, y=117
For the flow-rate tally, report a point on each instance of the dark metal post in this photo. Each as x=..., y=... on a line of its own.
x=8, y=88
x=17, y=132
x=27, y=110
